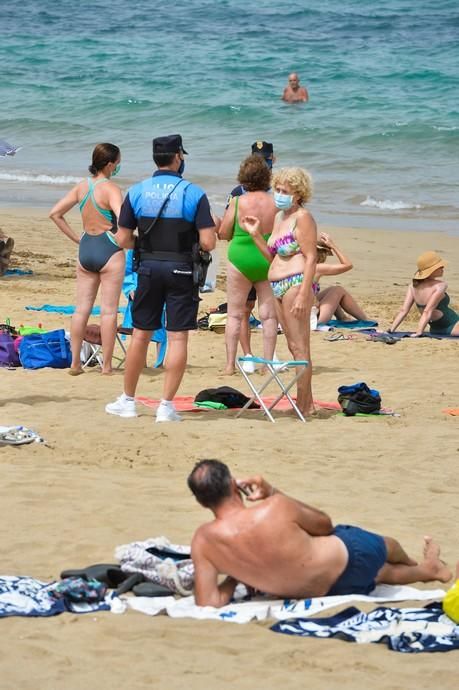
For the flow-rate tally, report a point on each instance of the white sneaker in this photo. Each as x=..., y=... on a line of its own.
x=278, y=366
x=122, y=407
x=248, y=367
x=167, y=413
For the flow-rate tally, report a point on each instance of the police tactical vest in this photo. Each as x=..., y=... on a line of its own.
x=172, y=236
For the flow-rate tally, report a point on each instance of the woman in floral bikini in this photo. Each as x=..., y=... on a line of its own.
x=291, y=249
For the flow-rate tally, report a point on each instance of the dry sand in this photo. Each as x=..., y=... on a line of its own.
x=101, y=481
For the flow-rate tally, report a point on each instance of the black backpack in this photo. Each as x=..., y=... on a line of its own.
x=226, y=396
x=358, y=398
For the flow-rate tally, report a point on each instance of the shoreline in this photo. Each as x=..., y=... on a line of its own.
x=325, y=219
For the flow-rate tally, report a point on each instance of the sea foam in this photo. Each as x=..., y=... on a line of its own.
x=40, y=179
x=388, y=205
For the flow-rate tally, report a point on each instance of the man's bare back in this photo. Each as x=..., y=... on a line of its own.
x=286, y=548
x=266, y=547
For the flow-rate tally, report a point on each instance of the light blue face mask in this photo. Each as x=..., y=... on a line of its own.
x=116, y=170
x=283, y=201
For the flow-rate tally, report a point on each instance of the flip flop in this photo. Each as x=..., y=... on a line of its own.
x=337, y=336
x=17, y=437
x=108, y=573
x=151, y=589
x=384, y=338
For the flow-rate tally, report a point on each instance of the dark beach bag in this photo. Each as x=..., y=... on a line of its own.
x=40, y=350
x=359, y=398
x=225, y=395
x=8, y=354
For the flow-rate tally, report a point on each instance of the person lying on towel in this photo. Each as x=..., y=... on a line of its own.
x=285, y=548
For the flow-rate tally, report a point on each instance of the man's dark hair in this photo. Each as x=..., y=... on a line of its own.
x=210, y=482
x=163, y=159
x=254, y=174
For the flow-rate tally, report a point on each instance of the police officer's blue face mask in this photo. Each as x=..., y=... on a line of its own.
x=269, y=163
x=182, y=167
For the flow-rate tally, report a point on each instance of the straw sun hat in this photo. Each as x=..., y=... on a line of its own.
x=427, y=263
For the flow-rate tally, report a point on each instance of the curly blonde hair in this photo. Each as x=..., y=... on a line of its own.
x=298, y=179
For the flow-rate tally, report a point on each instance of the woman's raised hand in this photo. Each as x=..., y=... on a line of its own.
x=325, y=239
x=251, y=224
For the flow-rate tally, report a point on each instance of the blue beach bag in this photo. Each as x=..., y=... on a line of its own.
x=50, y=349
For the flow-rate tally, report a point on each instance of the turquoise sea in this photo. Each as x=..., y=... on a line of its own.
x=380, y=133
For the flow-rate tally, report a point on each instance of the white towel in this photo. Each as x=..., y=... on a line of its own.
x=263, y=608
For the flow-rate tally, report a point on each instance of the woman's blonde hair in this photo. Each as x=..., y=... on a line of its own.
x=298, y=179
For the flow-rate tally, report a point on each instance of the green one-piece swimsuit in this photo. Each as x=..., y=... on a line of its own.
x=244, y=254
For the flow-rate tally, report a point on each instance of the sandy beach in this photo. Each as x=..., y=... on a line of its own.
x=100, y=481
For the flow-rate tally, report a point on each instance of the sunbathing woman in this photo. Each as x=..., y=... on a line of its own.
x=333, y=300
x=247, y=267
x=100, y=259
x=292, y=252
x=429, y=294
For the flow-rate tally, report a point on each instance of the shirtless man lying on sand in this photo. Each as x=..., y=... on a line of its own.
x=288, y=549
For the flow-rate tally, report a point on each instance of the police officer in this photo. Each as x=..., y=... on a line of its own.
x=259, y=148
x=171, y=215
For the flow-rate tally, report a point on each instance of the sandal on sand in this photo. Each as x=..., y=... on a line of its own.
x=151, y=589
x=17, y=437
x=383, y=338
x=337, y=336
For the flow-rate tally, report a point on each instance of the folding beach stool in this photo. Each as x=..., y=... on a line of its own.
x=275, y=369
x=93, y=341
x=92, y=338
x=159, y=337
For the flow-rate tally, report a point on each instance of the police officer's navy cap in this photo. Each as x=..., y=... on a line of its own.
x=263, y=148
x=172, y=143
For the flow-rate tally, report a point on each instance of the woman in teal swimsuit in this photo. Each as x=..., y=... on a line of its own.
x=429, y=294
x=291, y=249
x=247, y=267
x=101, y=260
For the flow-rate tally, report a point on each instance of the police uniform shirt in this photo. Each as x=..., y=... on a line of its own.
x=145, y=200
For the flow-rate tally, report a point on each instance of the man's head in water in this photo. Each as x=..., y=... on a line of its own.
x=294, y=81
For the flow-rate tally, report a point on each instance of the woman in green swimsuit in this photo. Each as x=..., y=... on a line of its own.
x=100, y=259
x=247, y=266
x=428, y=293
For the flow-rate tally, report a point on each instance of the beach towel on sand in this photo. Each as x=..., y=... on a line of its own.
x=245, y=609
x=25, y=596
x=335, y=323
x=434, y=336
x=409, y=630
x=64, y=309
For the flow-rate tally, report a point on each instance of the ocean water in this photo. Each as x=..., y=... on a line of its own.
x=380, y=134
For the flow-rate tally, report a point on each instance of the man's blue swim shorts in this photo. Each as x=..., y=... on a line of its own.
x=367, y=554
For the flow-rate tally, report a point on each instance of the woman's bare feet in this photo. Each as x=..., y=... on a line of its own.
x=107, y=372
x=433, y=563
x=229, y=371
x=75, y=372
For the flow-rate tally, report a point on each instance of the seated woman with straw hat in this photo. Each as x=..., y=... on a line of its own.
x=428, y=293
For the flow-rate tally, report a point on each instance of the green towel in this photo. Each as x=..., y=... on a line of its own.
x=209, y=405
